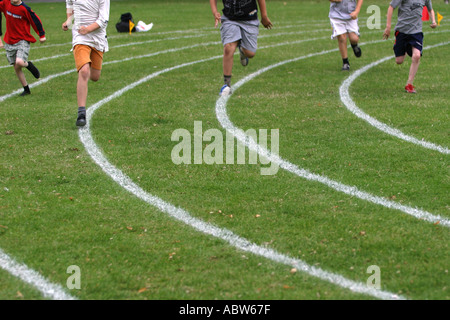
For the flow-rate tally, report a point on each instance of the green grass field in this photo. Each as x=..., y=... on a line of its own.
x=168, y=235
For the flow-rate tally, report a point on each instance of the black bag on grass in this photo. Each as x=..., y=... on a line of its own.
x=124, y=23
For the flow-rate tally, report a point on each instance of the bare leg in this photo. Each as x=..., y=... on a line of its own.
x=82, y=85
x=249, y=54
x=95, y=74
x=228, y=54
x=400, y=59
x=415, y=62
x=354, y=38
x=342, y=42
x=19, y=72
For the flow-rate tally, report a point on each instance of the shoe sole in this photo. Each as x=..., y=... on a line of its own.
x=81, y=122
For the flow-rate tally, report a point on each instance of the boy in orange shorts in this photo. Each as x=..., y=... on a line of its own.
x=89, y=43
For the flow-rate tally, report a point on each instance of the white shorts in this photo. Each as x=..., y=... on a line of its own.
x=344, y=26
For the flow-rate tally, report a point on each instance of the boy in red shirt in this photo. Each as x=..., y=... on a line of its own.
x=19, y=18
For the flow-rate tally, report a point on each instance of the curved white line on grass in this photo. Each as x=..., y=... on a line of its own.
x=115, y=47
x=222, y=116
x=351, y=106
x=177, y=49
x=182, y=215
x=35, y=84
x=356, y=287
x=21, y=271
x=46, y=79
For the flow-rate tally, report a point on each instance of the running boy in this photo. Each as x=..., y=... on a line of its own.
x=344, y=21
x=239, y=29
x=17, y=39
x=89, y=43
x=408, y=33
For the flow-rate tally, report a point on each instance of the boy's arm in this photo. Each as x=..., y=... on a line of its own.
x=264, y=18
x=215, y=12
x=387, y=31
x=103, y=14
x=102, y=21
x=36, y=23
x=69, y=14
x=433, y=19
x=355, y=13
x=92, y=27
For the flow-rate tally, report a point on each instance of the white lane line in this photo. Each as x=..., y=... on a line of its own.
x=46, y=79
x=222, y=116
x=21, y=271
x=176, y=49
x=172, y=50
x=115, y=47
x=182, y=215
x=56, y=75
x=353, y=108
x=6, y=262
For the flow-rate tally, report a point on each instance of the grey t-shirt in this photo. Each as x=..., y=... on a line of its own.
x=341, y=10
x=410, y=14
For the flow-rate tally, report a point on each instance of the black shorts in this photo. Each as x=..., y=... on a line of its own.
x=405, y=42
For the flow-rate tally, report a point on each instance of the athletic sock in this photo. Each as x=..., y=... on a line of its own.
x=227, y=80
x=81, y=110
x=345, y=61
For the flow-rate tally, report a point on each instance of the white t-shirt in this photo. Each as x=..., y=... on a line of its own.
x=86, y=12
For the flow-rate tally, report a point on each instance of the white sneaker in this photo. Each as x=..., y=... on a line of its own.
x=225, y=90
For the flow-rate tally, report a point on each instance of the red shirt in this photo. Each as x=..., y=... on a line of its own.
x=18, y=21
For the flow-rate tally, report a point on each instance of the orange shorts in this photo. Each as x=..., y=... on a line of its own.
x=85, y=54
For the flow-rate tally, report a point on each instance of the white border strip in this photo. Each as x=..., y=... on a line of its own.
x=351, y=106
x=21, y=271
x=179, y=214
